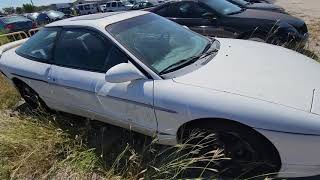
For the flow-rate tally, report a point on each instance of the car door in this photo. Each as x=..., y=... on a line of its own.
x=33, y=65
x=76, y=72
x=82, y=57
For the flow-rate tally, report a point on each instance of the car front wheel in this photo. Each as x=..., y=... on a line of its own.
x=247, y=154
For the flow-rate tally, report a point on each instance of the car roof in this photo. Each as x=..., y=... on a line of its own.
x=100, y=20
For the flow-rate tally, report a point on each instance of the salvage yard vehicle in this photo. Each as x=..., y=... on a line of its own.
x=15, y=23
x=113, y=6
x=143, y=72
x=87, y=8
x=220, y=18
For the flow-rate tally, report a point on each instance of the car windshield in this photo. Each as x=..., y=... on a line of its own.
x=13, y=19
x=156, y=41
x=222, y=6
x=55, y=14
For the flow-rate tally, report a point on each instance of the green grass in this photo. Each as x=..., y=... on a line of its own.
x=38, y=145
x=3, y=40
x=9, y=97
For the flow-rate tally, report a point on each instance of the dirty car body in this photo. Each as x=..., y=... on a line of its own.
x=117, y=68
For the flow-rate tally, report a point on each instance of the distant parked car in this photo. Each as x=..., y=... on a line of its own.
x=68, y=12
x=39, y=18
x=55, y=15
x=15, y=23
x=142, y=5
x=260, y=6
x=220, y=18
x=87, y=8
x=113, y=6
x=46, y=17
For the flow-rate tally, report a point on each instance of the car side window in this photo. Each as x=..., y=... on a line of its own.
x=86, y=50
x=39, y=47
x=114, y=4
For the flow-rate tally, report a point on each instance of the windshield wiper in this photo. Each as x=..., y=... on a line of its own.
x=185, y=62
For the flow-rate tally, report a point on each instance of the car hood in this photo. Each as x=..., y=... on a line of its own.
x=269, y=15
x=263, y=6
x=260, y=71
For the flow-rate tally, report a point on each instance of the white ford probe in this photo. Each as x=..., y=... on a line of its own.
x=140, y=71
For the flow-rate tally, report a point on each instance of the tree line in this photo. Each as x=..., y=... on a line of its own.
x=26, y=8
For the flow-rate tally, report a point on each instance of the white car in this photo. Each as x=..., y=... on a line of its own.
x=87, y=8
x=140, y=71
x=113, y=6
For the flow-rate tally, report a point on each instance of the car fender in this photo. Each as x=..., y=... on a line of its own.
x=177, y=104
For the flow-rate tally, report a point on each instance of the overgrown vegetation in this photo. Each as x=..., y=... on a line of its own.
x=3, y=39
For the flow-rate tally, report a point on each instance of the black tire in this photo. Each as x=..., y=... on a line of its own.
x=31, y=97
x=243, y=145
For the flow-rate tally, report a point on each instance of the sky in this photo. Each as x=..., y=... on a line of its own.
x=15, y=3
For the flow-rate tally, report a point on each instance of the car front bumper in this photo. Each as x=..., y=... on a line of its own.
x=301, y=40
x=299, y=153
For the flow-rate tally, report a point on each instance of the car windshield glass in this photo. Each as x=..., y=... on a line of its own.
x=13, y=19
x=55, y=14
x=156, y=41
x=222, y=6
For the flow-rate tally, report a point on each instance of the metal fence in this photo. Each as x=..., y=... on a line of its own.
x=10, y=37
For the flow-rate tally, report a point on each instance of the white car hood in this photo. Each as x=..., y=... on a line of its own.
x=261, y=71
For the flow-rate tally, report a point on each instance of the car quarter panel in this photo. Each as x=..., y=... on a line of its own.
x=31, y=72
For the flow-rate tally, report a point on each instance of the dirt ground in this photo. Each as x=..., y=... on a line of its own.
x=308, y=10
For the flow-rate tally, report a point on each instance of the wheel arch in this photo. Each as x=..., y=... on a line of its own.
x=17, y=82
x=203, y=122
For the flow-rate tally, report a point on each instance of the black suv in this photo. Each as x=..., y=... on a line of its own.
x=221, y=18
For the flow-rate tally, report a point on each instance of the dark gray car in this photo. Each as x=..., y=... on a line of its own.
x=15, y=23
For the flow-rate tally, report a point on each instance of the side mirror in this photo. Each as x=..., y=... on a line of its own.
x=209, y=15
x=123, y=72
